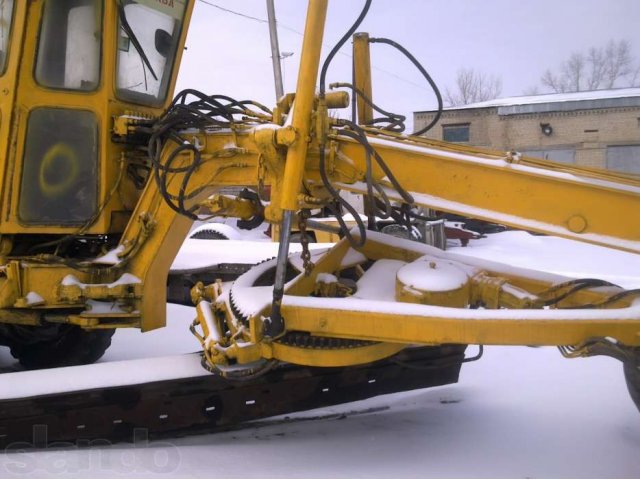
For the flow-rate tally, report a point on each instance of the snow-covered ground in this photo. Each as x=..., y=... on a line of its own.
x=518, y=412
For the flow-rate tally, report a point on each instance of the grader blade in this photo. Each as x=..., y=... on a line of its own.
x=210, y=403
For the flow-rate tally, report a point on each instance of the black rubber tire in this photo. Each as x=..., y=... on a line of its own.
x=632, y=376
x=71, y=346
x=209, y=235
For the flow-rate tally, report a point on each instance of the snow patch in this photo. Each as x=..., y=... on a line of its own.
x=97, y=307
x=33, y=299
x=379, y=281
x=326, y=278
x=111, y=257
x=429, y=275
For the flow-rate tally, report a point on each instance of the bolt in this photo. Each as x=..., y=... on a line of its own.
x=577, y=224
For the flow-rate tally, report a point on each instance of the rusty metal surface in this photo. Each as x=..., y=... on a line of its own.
x=211, y=403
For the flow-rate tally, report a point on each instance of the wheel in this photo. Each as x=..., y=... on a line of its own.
x=58, y=345
x=632, y=375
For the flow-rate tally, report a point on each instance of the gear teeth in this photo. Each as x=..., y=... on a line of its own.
x=304, y=340
x=236, y=311
x=299, y=339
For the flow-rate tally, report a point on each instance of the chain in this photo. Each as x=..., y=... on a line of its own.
x=304, y=241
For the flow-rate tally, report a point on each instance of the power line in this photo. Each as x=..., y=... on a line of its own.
x=234, y=12
x=291, y=29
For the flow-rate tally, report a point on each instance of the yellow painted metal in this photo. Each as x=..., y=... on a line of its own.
x=398, y=323
x=378, y=247
x=20, y=94
x=336, y=100
x=320, y=357
x=455, y=297
x=99, y=321
x=362, y=67
x=16, y=316
x=304, y=102
x=152, y=241
x=384, y=322
x=230, y=207
x=457, y=328
x=75, y=292
x=568, y=201
x=491, y=187
x=8, y=91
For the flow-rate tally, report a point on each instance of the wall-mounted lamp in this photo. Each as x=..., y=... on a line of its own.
x=546, y=129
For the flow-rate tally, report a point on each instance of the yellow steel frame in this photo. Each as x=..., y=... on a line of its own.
x=437, y=325
x=500, y=188
x=567, y=201
x=362, y=69
x=394, y=324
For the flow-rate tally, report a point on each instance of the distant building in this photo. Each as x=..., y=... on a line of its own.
x=598, y=128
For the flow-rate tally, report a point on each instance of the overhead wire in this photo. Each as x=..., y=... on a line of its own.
x=298, y=32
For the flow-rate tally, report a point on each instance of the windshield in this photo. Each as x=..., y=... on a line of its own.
x=148, y=36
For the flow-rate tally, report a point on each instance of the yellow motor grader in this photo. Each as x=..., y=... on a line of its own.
x=103, y=171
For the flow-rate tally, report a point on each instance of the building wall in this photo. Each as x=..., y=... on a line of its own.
x=588, y=132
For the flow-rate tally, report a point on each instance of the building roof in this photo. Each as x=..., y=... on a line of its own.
x=553, y=102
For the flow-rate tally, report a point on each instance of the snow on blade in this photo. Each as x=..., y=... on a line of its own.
x=100, y=375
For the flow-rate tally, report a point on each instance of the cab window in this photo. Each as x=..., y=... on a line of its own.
x=69, y=45
x=148, y=36
x=6, y=16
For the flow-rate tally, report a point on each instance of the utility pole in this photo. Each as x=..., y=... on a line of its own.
x=275, y=49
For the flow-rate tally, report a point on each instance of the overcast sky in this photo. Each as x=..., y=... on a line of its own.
x=513, y=40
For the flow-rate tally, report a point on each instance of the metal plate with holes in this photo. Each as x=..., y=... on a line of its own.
x=211, y=403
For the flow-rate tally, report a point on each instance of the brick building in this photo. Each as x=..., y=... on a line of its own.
x=597, y=129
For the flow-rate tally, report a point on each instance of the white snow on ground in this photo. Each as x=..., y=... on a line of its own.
x=518, y=412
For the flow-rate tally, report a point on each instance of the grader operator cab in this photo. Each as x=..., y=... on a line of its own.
x=102, y=174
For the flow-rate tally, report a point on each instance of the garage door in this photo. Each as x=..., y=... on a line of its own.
x=624, y=158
